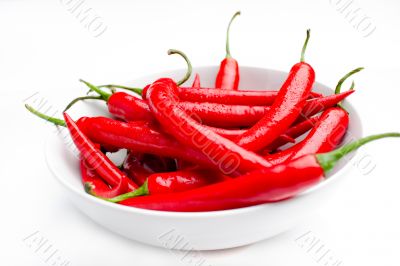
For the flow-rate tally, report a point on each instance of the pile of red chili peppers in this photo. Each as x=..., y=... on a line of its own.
x=207, y=149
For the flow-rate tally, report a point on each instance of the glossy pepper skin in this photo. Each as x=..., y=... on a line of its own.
x=222, y=115
x=129, y=108
x=316, y=106
x=268, y=185
x=173, y=182
x=286, y=108
x=271, y=184
x=95, y=158
x=163, y=99
x=138, y=136
x=327, y=134
x=243, y=97
x=234, y=133
x=228, y=74
x=324, y=137
x=94, y=184
x=284, y=111
x=178, y=181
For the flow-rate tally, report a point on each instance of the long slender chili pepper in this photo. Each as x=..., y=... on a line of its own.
x=228, y=74
x=324, y=137
x=162, y=98
x=132, y=136
x=141, y=139
x=92, y=182
x=286, y=108
x=243, y=97
x=171, y=182
x=96, y=159
x=330, y=101
x=130, y=108
x=202, y=94
x=272, y=184
x=234, y=133
x=222, y=115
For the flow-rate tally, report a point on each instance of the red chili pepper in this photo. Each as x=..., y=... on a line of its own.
x=330, y=101
x=132, y=136
x=316, y=106
x=163, y=99
x=94, y=184
x=228, y=74
x=234, y=133
x=95, y=158
x=141, y=139
x=285, y=109
x=172, y=182
x=196, y=81
x=222, y=115
x=130, y=108
x=243, y=97
x=272, y=184
x=324, y=137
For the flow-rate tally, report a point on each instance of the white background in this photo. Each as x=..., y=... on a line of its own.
x=45, y=49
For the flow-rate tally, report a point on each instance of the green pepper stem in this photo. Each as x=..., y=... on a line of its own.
x=228, y=49
x=343, y=79
x=303, y=51
x=74, y=101
x=328, y=160
x=189, y=65
x=94, y=88
x=55, y=121
x=141, y=191
x=110, y=86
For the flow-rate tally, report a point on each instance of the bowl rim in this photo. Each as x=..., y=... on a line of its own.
x=81, y=193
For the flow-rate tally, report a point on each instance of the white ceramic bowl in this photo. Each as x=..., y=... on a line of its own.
x=204, y=230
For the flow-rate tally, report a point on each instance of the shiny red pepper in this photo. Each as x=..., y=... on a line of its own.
x=223, y=153
x=316, y=106
x=325, y=136
x=286, y=108
x=137, y=136
x=271, y=184
x=94, y=184
x=141, y=139
x=234, y=133
x=228, y=74
x=96, y=159
x=172, y=182
x=243, y=97
x=130, y=108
